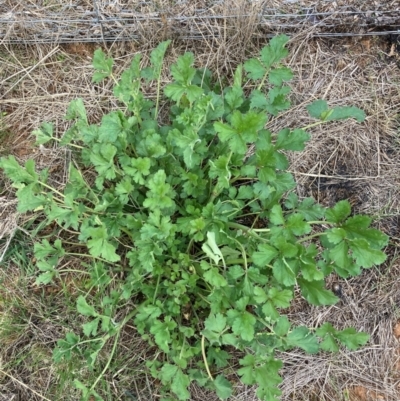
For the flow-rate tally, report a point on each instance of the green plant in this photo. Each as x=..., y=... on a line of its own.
x=210, y=238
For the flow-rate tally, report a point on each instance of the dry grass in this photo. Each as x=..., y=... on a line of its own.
x=345, y=160
x=50, y=21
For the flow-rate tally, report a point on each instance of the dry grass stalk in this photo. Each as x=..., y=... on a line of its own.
x=96, y=21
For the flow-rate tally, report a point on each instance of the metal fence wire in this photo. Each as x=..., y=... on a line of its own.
x=67, y=21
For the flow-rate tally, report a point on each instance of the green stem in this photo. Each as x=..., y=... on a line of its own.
x=126, y=320
x=203, y=352
x=70, y=144
x=73, y=271
x=108, y=362
x=238, y=261
x=263, y=80
x=51, y=189
x=313, y=125
x=114, y=79
x=190, y=245
x=158, y=97
x=261, y=230
x=86, y=255
x=156, y=290
x=249, y=231
x=309, y=237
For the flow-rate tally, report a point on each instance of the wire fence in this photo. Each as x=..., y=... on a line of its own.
x=67, y=21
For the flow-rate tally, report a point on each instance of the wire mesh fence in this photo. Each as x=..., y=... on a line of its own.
x=67, y=21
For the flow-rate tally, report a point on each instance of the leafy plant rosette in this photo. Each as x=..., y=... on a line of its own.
x=210, y=237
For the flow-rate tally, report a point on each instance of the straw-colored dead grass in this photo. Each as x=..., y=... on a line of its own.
x=343, y=160
x=52, y=21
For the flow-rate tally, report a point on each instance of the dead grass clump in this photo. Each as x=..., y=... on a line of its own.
x=104, y=21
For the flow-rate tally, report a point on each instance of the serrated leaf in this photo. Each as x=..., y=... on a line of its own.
x=45, y=278
x=278, y=75
x=275, y=51
x=255, y=277
x=247, y=371
x=111, y=126
x=284, y=272
x=99, y=245
x=102, y=65
x=260, y=295
x=317, y=108
x=223, y=387
x=157, y=58
x=245, y=192
x=162, y=332
x=234, y=97
x=76, y=110
x=310, y=210
x=276, y=215
x=167, y=372
x=296, y=224
x=278, y=100
x=302, y=337
x=291, y=140
x=28, y=200
x=264, y=255
x=258, y=100
x=315, y=293
x=262, y=190
x=269, y=311
x=90, y=328
x=365, y=255
x=102, y=157
x=17, y=173
x=340, y=255
x=327, y=332
x=243, y=130
x=268, y=379
x=339, y=212
x=84, y=308
x=160, y=194
x=138, y=169
x=182, y=70
x=215, y=322
x=243, y=326
x=43, y=134
x=292, y=201
x=218, y=357
x=255, y=70
x=283, y=182
x=282, y=326
x=186, y=140
x=45, y=249
x=309, y=270
x=358, y=227
x=344, y=112
x=280, y=298
x=214, y=277
x=329, y=344
x=336, y=235
x=180, y=384
x=351, y=338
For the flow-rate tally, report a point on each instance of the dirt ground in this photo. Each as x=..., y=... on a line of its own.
x=345, y=160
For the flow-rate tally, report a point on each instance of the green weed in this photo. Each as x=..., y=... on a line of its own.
x=208, y=240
